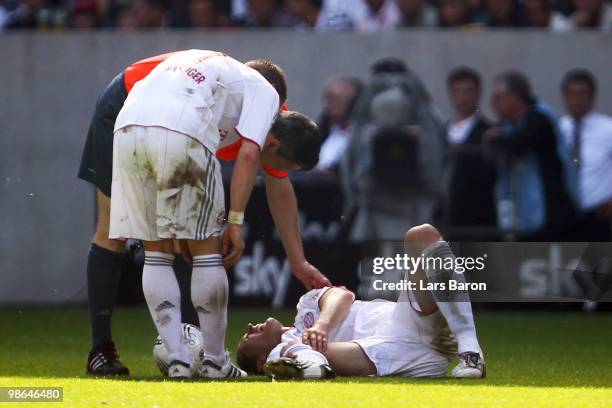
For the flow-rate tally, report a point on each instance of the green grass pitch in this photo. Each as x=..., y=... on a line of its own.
x=534, y=359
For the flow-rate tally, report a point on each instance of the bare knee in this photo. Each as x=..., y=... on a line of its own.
x=165, y=246
x=424, y=233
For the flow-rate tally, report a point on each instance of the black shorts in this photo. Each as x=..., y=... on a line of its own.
x=97, y=160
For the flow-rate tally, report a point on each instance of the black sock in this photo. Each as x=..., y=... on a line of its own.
x=103, y=274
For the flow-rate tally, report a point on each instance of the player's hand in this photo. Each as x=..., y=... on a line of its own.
x=316, y=337
x=310, y=276
x=233, y=245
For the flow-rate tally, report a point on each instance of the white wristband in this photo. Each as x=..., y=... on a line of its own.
x=235, y=217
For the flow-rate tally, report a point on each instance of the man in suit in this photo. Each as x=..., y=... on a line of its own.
x=472, y=177
x=588, y=135
x=536, y=175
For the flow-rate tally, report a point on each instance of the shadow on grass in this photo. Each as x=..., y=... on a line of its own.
x=392, y=380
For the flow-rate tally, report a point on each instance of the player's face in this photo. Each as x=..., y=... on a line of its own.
x=261, y=338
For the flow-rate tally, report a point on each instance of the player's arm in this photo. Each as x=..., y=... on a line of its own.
x=335, y=305
x=283, y=206
x=243, y=179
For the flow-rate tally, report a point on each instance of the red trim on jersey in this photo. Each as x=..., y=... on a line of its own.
x=273, y=172
x=229, y=152
x=142, y=68
x=284, y=107
x=246, y=138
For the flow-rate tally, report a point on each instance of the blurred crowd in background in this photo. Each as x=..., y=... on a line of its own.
x=318, y=15
x=524, y=174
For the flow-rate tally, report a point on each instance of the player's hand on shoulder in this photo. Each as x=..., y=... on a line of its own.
x=310, y=276
x=316, y=337
x=233, y=245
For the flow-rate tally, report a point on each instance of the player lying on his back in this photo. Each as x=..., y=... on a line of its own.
x=417, y=336
x=167, y=185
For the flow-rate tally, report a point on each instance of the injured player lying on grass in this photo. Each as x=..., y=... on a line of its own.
x=417, y=336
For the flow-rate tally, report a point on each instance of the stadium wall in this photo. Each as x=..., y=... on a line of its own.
x=51, y=81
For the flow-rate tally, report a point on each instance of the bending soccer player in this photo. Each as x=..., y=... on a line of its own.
x=167, y=185
x=417, y=336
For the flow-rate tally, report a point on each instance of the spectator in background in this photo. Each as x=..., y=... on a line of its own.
x=4, y=12
x=472, y=178
x=145, y=14
x=122, y=17
x=36, y=14
x=339, y=97
x=265, y=14
x=204, y=14
x=589, y=136
x=416, y=13
x=534, y=192
x=592, y=14
x=311, y=14
x=454, y=13
x=541, y=13
x=85, y=15
x=25, y=14
x=379, y=15
x=503, y=13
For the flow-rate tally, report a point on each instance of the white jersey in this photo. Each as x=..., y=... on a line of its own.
x=362, y=321
x=205, y=95
x=393, y=335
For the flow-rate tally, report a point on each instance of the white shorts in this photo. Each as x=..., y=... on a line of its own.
x=410, y=344
x=166, y=185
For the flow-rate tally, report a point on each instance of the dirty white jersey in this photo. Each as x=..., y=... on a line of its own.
x=205, y=95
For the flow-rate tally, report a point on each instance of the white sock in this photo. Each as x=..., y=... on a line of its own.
x=456, y=307
x=209, y=291
x=163, y=297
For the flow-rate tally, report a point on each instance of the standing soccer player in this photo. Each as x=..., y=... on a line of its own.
x=167, y=185
x=104, y=258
